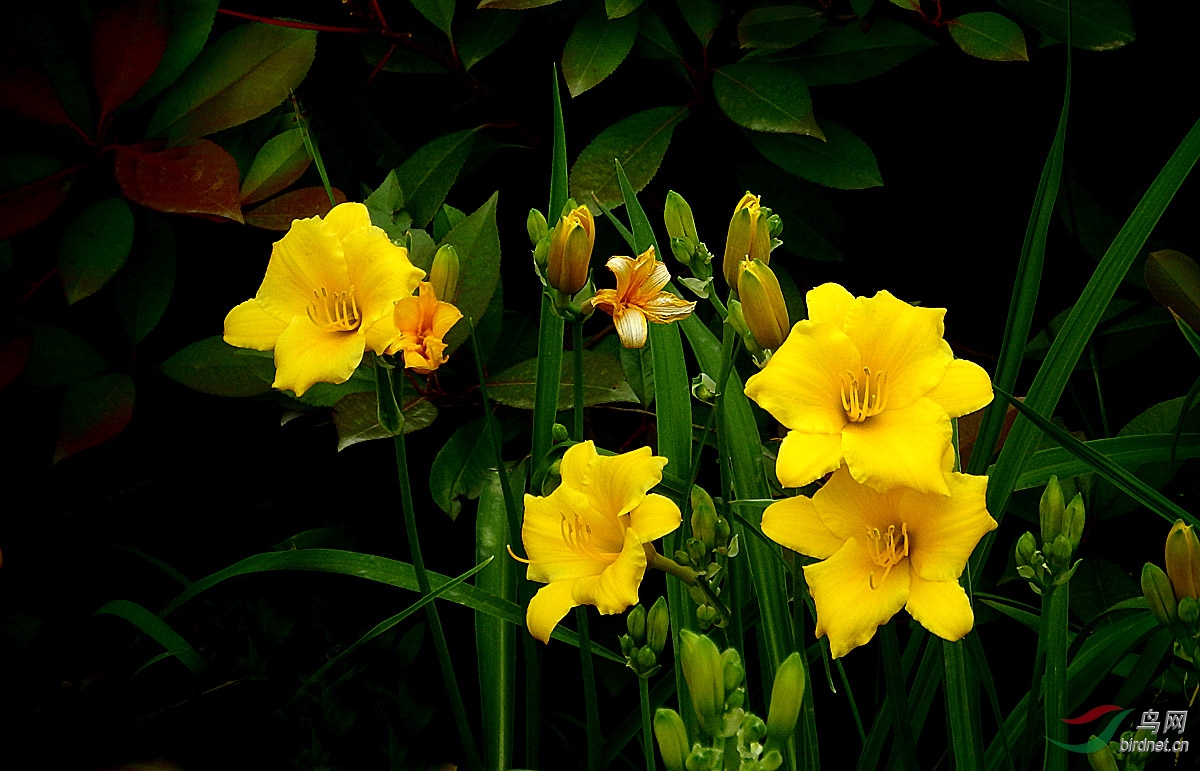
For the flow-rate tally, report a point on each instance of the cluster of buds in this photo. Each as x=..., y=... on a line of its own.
x=753, y=232
x=1061, y=528
x=1174, y=596
x=760, y=315
x=716, y=682
x=646, y=638
x=563, y=255
x=1111, y=757
x=707, y=552
x=686, y=244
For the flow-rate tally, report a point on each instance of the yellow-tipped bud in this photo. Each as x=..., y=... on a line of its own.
x=571, y=250
x=762, y=304
x=749, y=237
x=704, y=672
x=672, y=739
x=443, y=274
x=1183, y=561
x=786, y=697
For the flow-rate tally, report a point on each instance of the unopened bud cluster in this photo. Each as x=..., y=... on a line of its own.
x=1174, y=595
x=686, y=245
x=646, y=638
x=707, y=552
x=1061, y=531
x=1111, y=757
x=563, y=255
x=716, y=682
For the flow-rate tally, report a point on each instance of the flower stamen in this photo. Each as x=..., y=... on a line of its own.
x=865, y=398
x=887, y=550
x=577, y=536
x=337, y=312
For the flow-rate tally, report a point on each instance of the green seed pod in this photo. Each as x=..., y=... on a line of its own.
x=672, y=739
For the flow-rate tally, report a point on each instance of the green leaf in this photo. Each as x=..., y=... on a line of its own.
x=776, y=27
x=143, y=289
x=280, y=162
x=656, y=40
x=445, y=219
x=477, y=242
x=638, y=365
x=638, y=142
x=515, y=5
x=245, y=73
x=439, y=12
x=483, y=32
x=384, y=203
x=1099, y=584
x=616, y=9
x=94, y=246
x=605, y=382
x=596, y=47
x=460, y=466
x=1127, y=451
x=427, y=175
x=93, y=411
x=190, y=22
x=212, y=366
x=850, y=54
x=703, y=16
x=357, y=419
x=20, y=169
x=842, y=161
x=988, y=35
x=765, y=97
x=329, y=394
x=59, y=357
x=158, y=630
x=1098, y=25
x=1174, y=280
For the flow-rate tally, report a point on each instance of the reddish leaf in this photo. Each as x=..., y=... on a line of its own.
x=31, y=95
x=278, y=213
x=26, y=206
x=128, y=42
x=14, y=353
x=197, y=178
x=94, y=411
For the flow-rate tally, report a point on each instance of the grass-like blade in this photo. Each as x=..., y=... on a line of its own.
x=1127, y=451
x=156, y=629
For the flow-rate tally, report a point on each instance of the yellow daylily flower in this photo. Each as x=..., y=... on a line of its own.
x=326, y=298
x=423, y=322
x=586, y=540
x=639, y=297
x=868, y=382
x=882, y=552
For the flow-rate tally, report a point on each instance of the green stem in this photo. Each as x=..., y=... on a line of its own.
x=591, y=705
x=577, y=359
x=435, y=621
x=647, y=731
x=549, y=377
x=897, y=698
x=1054, y=629
x=958, y=707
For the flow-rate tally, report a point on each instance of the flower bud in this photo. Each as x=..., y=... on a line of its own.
x=787, y=695
x=703, y=671
x=1157, y=589
x=536, y=227
x=754, y=730
x=704, y=517
x=571, y=250
x=762, y=304
x=443, y=274
x=1060, y=550
x=683, y=250
x=679, y=221
x=771, y=760
x=1189, y=611
x=732, y=672
x=628, y=647
x=635, y=622
x=1050, y=511
x=703, y=759
x=1073, y=521
x=672, y=739
x=646, y=662
x=1026, y=549
x=742, y=235
x=658, y=625
x=1183, y=560
x=1102, y=759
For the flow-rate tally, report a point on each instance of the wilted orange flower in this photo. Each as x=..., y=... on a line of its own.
x=639, y=297
x=423, y=322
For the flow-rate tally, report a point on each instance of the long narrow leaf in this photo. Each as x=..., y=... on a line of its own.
x=156, y=629
x=1127, y=451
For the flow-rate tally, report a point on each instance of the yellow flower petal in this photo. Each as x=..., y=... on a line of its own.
x=616, y=588
x=965, y=388
x=308, y=257
x=848, y=609
x=666, y=307
x=306, y=354
x=631, y=326
x=805, y=458
x=379, y=271
x=548, y=607
x=249, y=325
x=345, y=218
x=941, y=607
x=654, y=517
x=794, y=523
x=945, y=529
x=900, y=448
x=613, y=484
x=902, y=341
x=848, y=508
x=828, y=303
x=801, y=384
x=552, y=557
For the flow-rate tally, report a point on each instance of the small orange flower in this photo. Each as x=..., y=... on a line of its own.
x=423, y=321
x=639, y=297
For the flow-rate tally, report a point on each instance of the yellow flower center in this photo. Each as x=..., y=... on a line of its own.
x=863, y=396
x=887, y=549
x=577, y=536
x=337, y=312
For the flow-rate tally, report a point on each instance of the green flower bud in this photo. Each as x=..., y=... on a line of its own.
x=703, y=759
x=697, y=551
x=443, y=274
x=628, y=647
x=774, y=225
x=722, y=532
x=707, y=615
x=734, y=701
x=558, y=433
x=1073, y=521
x=704, y=517
x=737, y=319
x=1102, y=759
x=635, y=622
x=787, y=695
x=771, y=760
x=1026, y=549
x=672, y=739
x=1189, y=611
x=1050, y=511
x=646, y=661
x=677, y=215
x=541, y=253
x=683, y=250
x=1060, y=550
x=762, y=304
x=681, y=557
x=535, y=226
x=702, y=669
x=732, y=671
x=1161, y=598
x=754, y=730
x=658, y=625
x=570, y=251
x=1183, y=560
